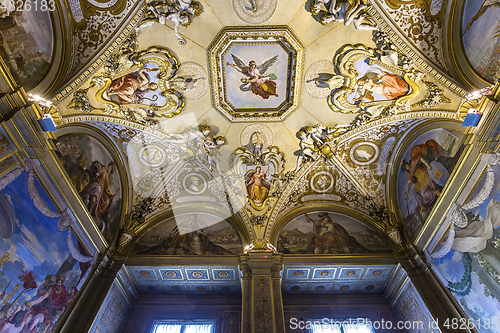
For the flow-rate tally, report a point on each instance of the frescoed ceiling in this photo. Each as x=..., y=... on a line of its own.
x=215, y=112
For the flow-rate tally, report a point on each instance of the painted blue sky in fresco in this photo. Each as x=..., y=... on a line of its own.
x=36, y=245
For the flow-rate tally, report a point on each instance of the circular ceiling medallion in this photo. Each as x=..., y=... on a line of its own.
x=345, y=288
x=144, y=273
x=201, y=288
x=152, y=155
x=298, y=273
x=223, y=274
x=350, y=273
x=322, y=182
x=194, y=80
x=295, y=288
x=320, y=288
x=377, y=272
x=225, y=289
x=254, y=11
x=319, y=77
x=256, y=134
x=194, y=183
x=324, y=273
x=364, y=153
x=152, y=288
x=197, y=274
x=175, y=288
x=171, y=274
x=370, y=287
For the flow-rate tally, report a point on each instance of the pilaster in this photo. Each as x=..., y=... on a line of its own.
x=262, y=308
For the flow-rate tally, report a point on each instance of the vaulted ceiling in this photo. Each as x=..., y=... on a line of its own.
x=159, y=147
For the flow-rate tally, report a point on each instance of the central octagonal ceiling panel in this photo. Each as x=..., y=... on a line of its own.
x=255, y=72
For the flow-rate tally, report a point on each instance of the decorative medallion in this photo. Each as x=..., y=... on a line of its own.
x=364, y=153
x=255, y=72
x=225, y=289
x=144, y=273
x=171, y=274
x=223, y=274
x=377, y=272
x=322, y=182
x=152, y=155
x=176, y=288
x=344, y=288
x=350, y=273
x=194, y=183
x=254, y=11
x=298, y=273
x=201, y=288
x=319, y=288
x=320, y=79
x=324, y=273
x=295, y=288
x=257, y=135
x=196, y=80
x=152, y=288
x=197, y=274
x=370, y=287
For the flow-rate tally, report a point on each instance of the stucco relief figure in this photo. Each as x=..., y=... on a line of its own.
x=257, y=186
x=331, y=237
x=176, y=11
x=258, y=80
x=350, y=11
x=212, y=148
x=308, y=149
x=382, y=83
x=192, y=141
x=132, y=88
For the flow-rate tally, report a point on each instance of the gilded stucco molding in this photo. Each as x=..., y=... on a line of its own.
x=91, y=70
x=400, y=41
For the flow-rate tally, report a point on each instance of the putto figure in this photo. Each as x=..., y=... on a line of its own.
x=258, y=81
x=347, y=12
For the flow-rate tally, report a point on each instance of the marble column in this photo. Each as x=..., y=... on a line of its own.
x=262, y=308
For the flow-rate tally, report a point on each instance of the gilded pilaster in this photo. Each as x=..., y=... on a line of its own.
x=262, y=308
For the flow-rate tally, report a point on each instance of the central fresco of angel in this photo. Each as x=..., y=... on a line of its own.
x=256, y=75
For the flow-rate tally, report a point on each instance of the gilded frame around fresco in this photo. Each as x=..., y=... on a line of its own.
x=345, y=61
x=279, y=35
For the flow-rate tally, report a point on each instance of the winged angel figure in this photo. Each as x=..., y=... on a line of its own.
x=258, y=81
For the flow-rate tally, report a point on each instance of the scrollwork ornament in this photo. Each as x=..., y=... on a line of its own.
x=261, y=171
x=370, y=88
